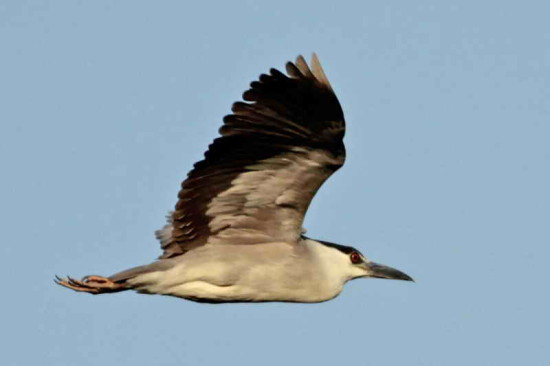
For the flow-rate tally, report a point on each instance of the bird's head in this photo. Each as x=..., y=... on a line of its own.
x=356, y=265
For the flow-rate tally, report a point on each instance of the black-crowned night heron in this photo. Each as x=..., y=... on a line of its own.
x=236, y=232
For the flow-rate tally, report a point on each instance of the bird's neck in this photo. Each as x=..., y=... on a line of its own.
x=330, y=262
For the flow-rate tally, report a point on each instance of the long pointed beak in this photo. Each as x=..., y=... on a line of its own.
x=381, y=271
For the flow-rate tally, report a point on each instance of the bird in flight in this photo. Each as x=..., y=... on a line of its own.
x=236, y=233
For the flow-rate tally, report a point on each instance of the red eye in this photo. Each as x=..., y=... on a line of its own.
x=355, y=258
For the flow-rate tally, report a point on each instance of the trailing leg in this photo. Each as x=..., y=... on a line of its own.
x=92, y=284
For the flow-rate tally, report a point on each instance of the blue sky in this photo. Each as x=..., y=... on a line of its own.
x=106, y=105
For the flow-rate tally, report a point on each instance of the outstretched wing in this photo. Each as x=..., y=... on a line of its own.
x=257, y=180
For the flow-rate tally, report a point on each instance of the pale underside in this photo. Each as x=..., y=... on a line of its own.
x=224, y=273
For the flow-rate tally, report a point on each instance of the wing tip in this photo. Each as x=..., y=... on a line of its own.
x=318, y=71
x=300, y=68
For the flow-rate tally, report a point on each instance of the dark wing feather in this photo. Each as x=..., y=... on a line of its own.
x=257, y=180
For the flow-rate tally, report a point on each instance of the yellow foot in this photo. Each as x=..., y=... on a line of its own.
x=90, y=284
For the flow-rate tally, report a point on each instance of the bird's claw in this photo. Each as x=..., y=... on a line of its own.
x=90, y=284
